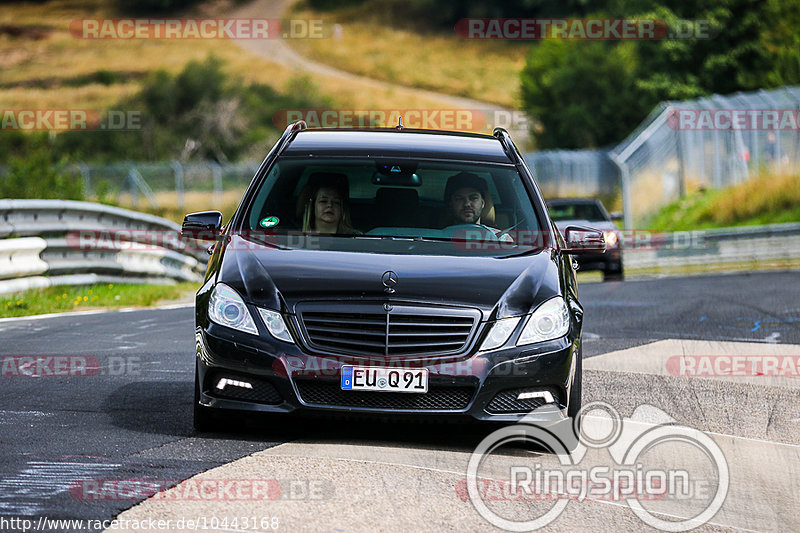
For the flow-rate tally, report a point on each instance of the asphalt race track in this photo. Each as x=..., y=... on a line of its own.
x=129, y=418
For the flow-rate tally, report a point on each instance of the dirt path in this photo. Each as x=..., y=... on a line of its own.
x=278, y=51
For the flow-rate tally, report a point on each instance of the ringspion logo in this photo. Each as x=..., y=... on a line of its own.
x=691, y=481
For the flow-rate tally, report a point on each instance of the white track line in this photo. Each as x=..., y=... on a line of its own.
x=95, y=312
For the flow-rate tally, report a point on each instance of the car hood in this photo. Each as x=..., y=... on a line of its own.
x=276, y=278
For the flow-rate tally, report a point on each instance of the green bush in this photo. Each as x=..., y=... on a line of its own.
x=37, y=175
x=199, y=113
x=583, y=93
x=587, y=94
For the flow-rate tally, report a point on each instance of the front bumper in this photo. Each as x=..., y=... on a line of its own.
x=284, y=379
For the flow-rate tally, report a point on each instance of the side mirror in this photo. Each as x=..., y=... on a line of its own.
x=203, y=226
x=616, y=216
x=581, y=240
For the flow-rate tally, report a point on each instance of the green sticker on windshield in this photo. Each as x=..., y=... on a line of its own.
x=269, y=222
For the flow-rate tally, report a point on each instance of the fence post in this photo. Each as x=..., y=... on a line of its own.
x=739, y=146
x=777, y=147
x=177, y=170
x=625, y=175
x=717, y=162
x=796, y=151
x=87, y=177
x=134, y=191
x=681, y=162
x=138, y=183
x=216, y=170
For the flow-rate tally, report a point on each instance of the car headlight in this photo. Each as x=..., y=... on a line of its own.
x=549, y=321
x=275, y=324
x=611, y=238
x=226, y=308
x=500, y=332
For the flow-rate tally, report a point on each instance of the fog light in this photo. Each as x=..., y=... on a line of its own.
x=542, y=394
x=233, y=383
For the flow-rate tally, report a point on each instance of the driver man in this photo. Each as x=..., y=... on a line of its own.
x=465, y=194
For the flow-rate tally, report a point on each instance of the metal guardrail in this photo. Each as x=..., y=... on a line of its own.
x=61, y=242
x=748, y=244
x=43, y=247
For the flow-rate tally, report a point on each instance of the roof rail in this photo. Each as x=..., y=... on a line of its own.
x=287, y=133
x=508, y=145
x=296, y=126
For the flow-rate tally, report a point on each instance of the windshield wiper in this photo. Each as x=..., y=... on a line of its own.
x=414, y=238
x=505, y=231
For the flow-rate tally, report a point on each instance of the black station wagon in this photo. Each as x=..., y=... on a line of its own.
x=389, y=271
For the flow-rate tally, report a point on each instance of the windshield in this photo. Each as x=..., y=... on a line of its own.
x=578, y=211
x=377, y=205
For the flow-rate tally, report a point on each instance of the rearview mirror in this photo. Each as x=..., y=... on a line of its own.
x=396, y=173
x=581, y=240
x=616, y=215
x=202, y=226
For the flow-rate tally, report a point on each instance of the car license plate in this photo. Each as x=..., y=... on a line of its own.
x=374, y=378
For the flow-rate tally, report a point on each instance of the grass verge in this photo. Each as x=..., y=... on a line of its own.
x=487, y=71
x=82, y=298
x=767, y=199
x=51, y=69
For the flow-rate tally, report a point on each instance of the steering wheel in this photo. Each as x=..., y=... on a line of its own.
x=470, y=232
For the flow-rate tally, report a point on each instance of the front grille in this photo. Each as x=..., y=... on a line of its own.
x=506, y=401
x=262, y=391
x=438, y=398
x=368, y=329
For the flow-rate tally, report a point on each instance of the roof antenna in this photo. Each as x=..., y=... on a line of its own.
x=399, y=122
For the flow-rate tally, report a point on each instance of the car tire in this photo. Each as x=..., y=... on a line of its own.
x=614, y=275
x=204, y=419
